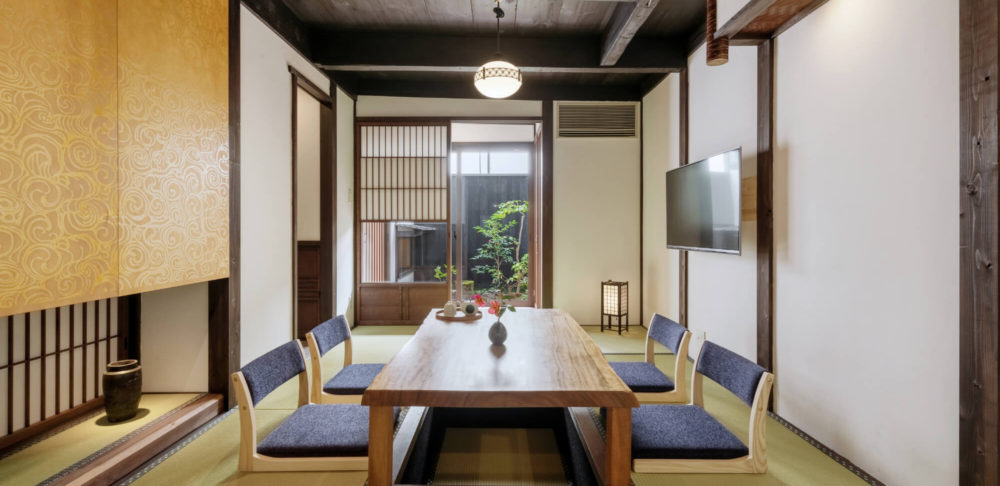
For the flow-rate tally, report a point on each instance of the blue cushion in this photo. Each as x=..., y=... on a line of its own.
x=274, y=368
x=681, y=432
x=734, y=372
x=642, y=377
x=320, y=431
x=666, y=332
x=353, y=379
x=331, y=333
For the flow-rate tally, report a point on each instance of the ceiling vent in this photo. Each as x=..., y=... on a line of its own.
x=581, y=120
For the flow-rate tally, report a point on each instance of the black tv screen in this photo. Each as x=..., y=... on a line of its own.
x=703, y=205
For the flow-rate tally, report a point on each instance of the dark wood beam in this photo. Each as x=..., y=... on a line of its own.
x=529, y=91
x=548, y=137
x=388, y=51
x=747, y=14
x=282, y=21
x=682, y=259
x=624, y=25
x=765, y=216
x=979, y=243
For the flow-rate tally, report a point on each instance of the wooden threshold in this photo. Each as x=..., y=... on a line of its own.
x=30, y=432
x=129, y=455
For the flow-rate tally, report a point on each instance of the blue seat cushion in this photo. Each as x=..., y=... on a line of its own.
x=353, y=379
x=681, y=432
x=320, y=431
x=642, y=377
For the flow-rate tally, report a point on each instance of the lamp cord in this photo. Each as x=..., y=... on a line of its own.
x=499, y=13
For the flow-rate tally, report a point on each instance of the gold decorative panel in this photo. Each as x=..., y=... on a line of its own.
x=58, y=178
x=173, y=133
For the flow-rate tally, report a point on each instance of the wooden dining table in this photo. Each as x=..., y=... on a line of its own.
x=548, y=360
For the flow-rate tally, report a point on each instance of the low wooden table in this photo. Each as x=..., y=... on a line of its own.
x=548, y=361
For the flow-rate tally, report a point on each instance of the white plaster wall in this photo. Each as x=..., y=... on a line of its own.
x=307, y=142
x=379, y=106
x=660, y=151
x=722, y=288
x=174, y=343
x=866, y=234
x=492, y=132
x=265, y=178
x=345, y=205
x=595, y=223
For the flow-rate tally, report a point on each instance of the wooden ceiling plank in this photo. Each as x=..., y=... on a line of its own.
x=624, y=25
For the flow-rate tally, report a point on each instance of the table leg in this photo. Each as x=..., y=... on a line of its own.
x=380, y=422
x=618, y=451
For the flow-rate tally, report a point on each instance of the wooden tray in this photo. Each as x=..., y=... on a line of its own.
x=459, y=317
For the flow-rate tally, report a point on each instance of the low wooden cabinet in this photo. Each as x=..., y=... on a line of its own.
x=399, y=303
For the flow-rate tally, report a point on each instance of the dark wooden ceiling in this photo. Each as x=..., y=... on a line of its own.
x=586, y=49
x=523, y=17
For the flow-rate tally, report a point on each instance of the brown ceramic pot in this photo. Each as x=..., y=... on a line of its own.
x=122, y=389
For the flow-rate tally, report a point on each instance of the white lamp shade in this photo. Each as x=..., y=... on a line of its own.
x=498, y=79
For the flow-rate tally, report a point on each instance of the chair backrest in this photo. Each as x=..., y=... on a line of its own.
x=271, y=370
x=331, y=333
x=666, y=332
x=734, y=372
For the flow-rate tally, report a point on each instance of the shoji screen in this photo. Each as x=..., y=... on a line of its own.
x=53, y=359
x=403, y=171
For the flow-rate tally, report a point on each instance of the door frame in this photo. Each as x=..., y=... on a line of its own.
x=327, y=200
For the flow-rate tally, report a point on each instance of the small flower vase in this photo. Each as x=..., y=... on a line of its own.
x=498, y=333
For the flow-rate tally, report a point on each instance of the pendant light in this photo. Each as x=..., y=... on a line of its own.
x=498, y=78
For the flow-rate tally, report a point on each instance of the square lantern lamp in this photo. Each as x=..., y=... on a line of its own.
x=614, y=303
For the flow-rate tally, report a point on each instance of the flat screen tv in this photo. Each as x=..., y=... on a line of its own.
x=703, y=205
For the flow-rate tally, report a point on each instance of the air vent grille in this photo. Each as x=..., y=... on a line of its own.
x=597, y=119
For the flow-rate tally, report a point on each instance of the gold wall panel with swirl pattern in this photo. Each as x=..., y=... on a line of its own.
x=58, y=167
x=173, y=132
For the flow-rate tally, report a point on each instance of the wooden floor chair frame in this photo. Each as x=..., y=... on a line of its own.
x=755, y=462
x=679, y=393
x=250, y=460
x=317, y=395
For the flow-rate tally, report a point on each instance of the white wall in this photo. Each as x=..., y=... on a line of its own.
x=345, y=206
x=174, y=339
x=492, y=132
x=660, y=129
x=307, y=145
x=265, y=178
x=595, y=223
x=866, y=234
x=722, y=288
x=380, y=106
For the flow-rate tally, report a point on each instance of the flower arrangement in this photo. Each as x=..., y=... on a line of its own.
x=497, y=307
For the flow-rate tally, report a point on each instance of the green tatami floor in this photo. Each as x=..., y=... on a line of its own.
x=490, y=456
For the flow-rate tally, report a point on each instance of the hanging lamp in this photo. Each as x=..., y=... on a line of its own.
x=498, y=78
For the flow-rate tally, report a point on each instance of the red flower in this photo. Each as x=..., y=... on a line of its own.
x=494, y=307
x=480, y=302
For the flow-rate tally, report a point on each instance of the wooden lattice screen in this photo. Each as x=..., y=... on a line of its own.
x=403, y=171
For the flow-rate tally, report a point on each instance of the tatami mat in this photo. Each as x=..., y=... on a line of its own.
x=212, y=457
x=51, y=455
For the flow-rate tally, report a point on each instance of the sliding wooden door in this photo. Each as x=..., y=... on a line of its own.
x=402, y=209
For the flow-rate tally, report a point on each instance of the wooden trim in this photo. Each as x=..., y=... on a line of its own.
x=294, y=216
x=798, y=16
x=224, y=294
x=430, y=120
x=13, y=440
x=548, y=126
x=979, y=238
x=128, y=456
x=328, y=209
x=642, y=212
x=303, y=82
x=743, y=17
x=683, y=159
x=765, y=215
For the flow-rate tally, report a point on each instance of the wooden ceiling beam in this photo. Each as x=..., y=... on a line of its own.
x=623, y=26
x=464, y=89
x=393, y=51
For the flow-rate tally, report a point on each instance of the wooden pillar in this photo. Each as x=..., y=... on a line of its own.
x=547, y=154
x=765, y=214
x=683, y=144
x=979, y=304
